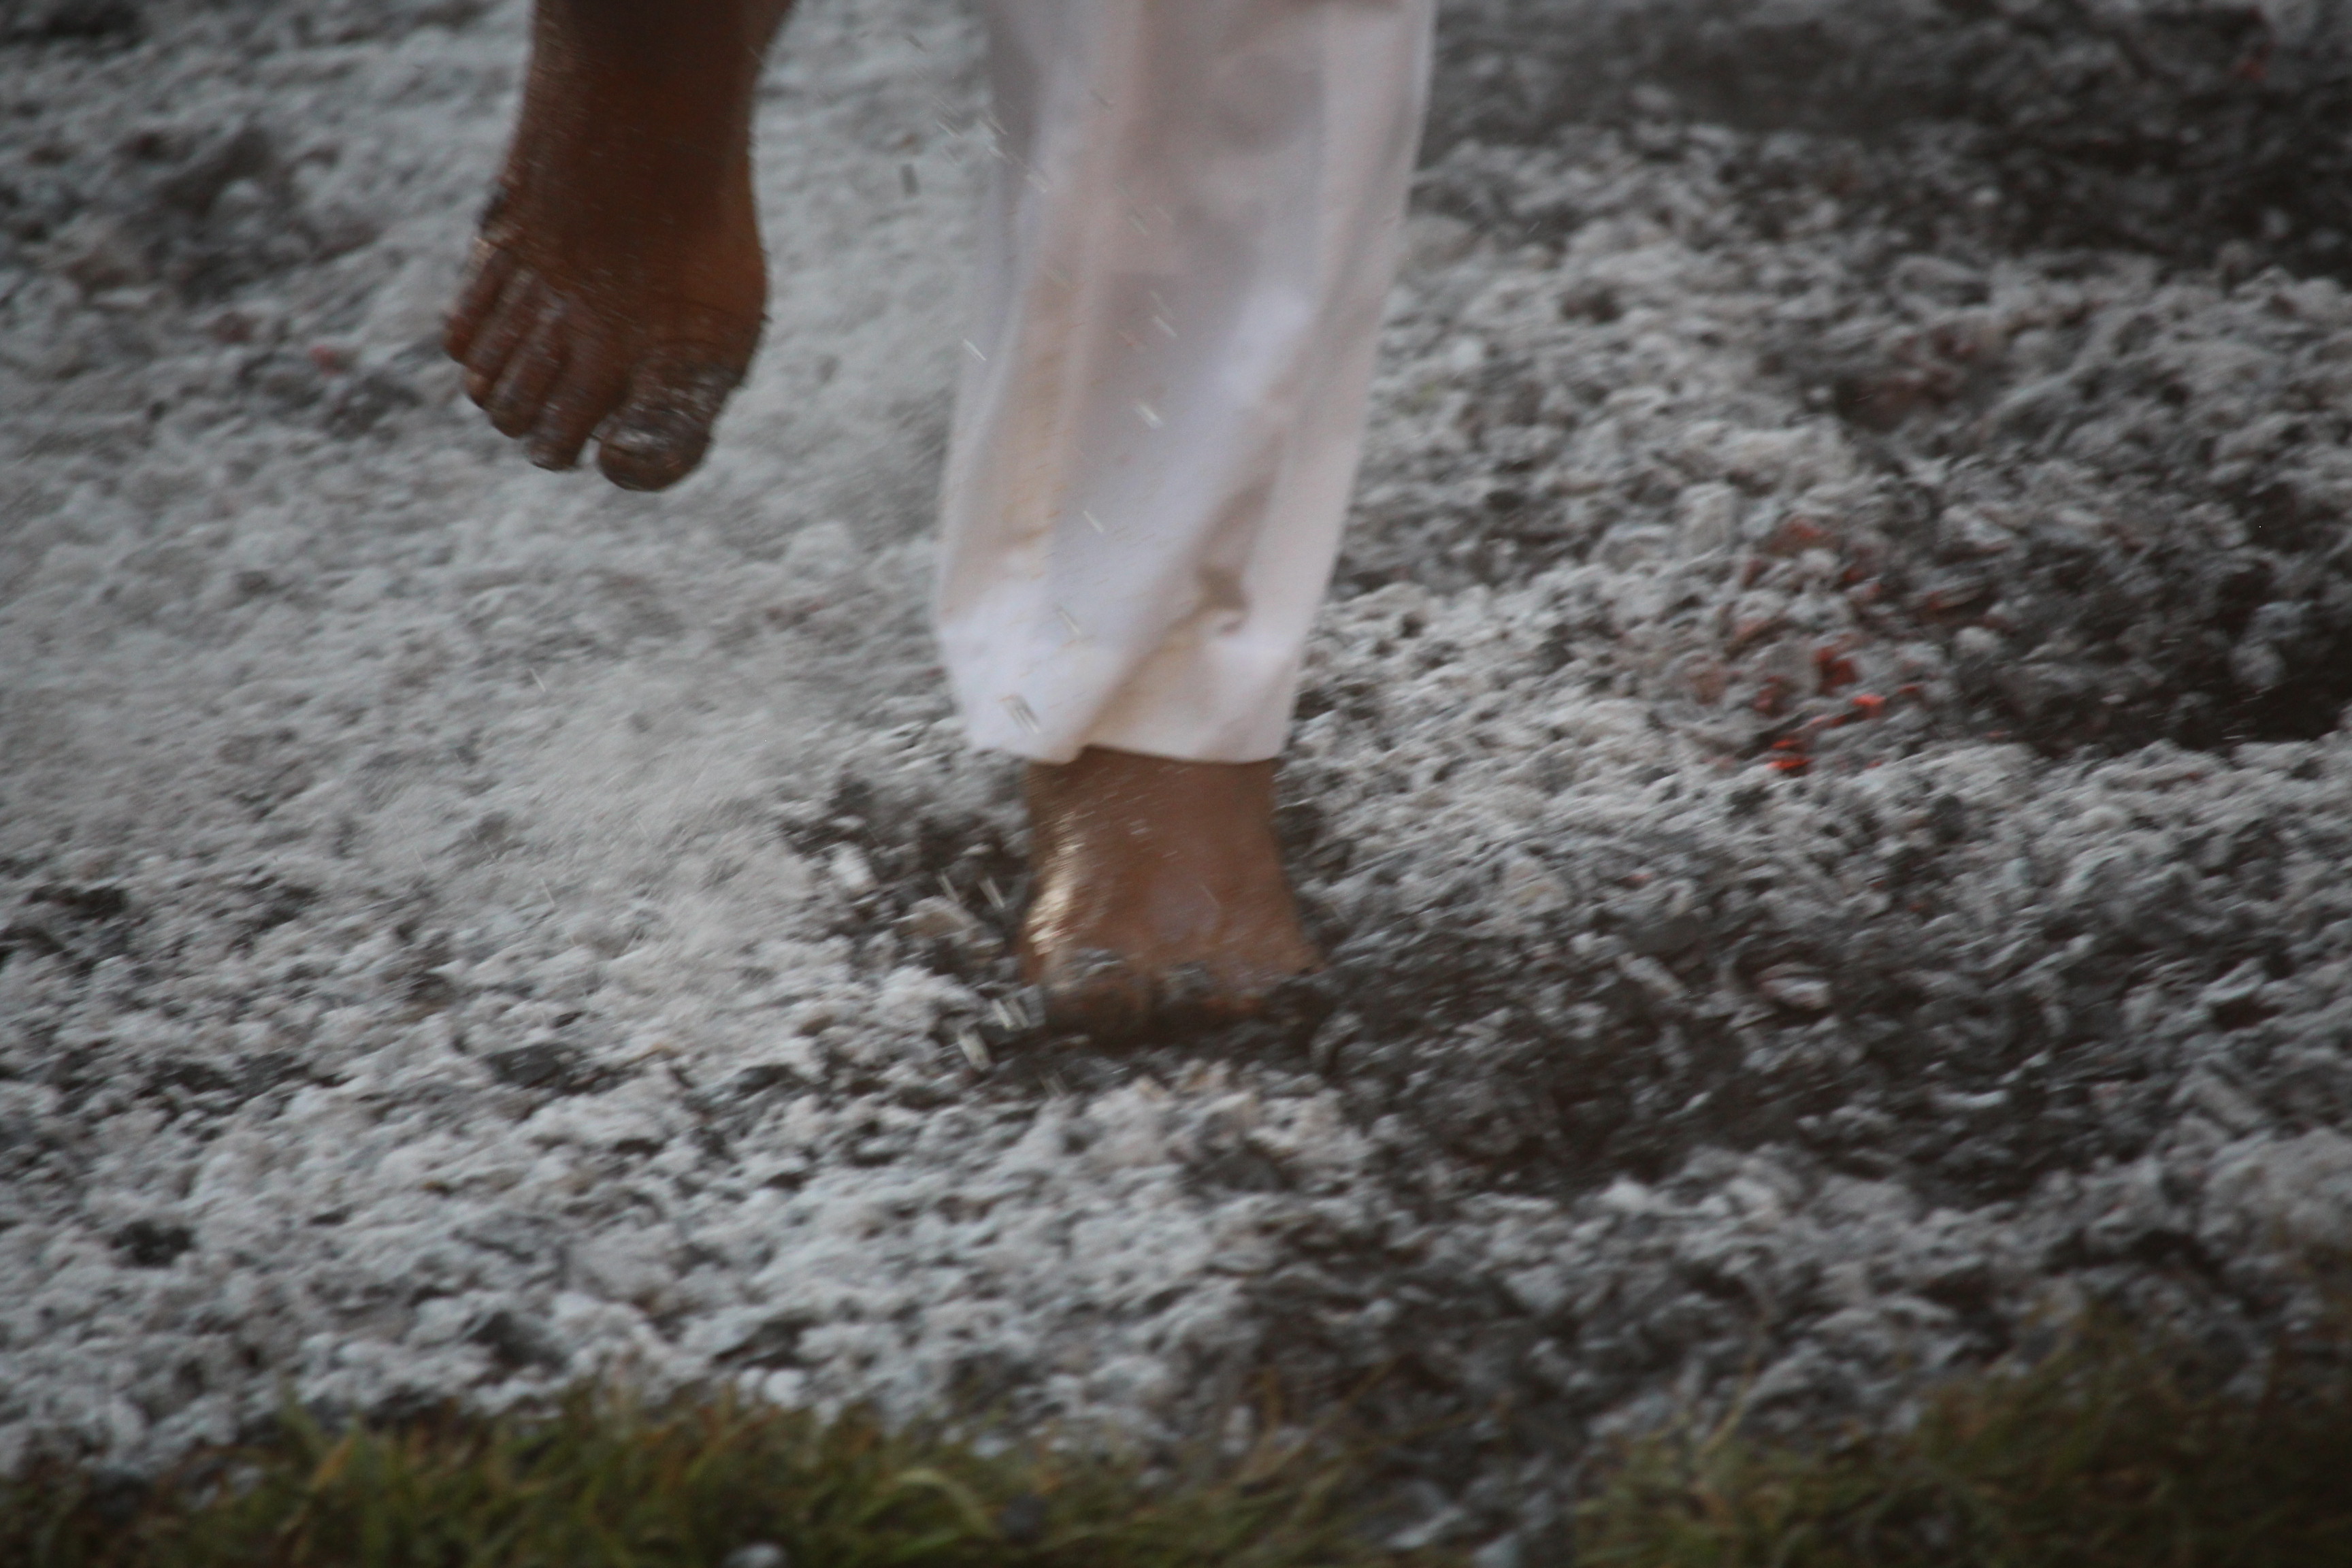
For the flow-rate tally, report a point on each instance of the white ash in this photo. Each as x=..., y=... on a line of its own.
x=1821, y=782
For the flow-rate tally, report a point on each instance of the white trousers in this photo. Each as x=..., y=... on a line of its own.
x=1192, y=232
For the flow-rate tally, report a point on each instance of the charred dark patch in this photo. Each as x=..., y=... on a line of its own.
x=152, y=1244
x=82, y=922
x=549, y=1069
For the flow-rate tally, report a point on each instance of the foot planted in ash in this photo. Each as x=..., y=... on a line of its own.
x=1159, y=896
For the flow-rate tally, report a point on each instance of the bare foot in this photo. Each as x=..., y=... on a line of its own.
x=617, y=285
x=1158, y=892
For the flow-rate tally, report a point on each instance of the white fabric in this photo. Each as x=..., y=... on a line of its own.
x=1193, y=230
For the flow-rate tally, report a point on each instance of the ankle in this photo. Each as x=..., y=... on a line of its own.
x=647, y=61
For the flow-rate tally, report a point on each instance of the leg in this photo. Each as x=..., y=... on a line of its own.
x=1185, y=260
x=617, y=285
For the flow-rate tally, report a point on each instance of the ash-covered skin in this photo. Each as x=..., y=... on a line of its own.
x=1820, y=786
x=616, y=287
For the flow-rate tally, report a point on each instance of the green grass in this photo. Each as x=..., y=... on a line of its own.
x=2116, y=1452
x=603, y=1482
x=2119, y=1451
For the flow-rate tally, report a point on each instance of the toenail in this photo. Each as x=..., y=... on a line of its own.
x=1188, y=988
x=554, y=455
x=659, y=435
x=1097, y=992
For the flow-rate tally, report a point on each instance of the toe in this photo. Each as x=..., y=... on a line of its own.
x=1195, y=994
x=487, y=275
x=515, y=405
x=591, y=385
x=511, y=322
x=663, y=427
x=1095, y=992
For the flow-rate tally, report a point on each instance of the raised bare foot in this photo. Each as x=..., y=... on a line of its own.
x=617, y=285
x=1158, y=892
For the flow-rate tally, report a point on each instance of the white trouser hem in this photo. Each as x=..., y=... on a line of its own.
x=1184, y=258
